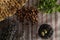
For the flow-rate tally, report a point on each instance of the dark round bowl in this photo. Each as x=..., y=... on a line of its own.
x=45, y=31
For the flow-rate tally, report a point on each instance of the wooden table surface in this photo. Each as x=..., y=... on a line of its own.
x=30, y=32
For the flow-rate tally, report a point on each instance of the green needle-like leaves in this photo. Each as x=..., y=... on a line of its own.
x=48, y=6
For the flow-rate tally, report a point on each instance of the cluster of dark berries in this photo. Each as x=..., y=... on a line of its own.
x=28, y=13
x=8, y=29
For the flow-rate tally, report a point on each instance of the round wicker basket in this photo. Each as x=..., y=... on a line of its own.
x=9, y=7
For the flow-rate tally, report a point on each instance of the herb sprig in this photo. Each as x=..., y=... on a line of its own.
x=48, y=6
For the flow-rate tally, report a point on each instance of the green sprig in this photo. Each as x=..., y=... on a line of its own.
x=48, y=6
